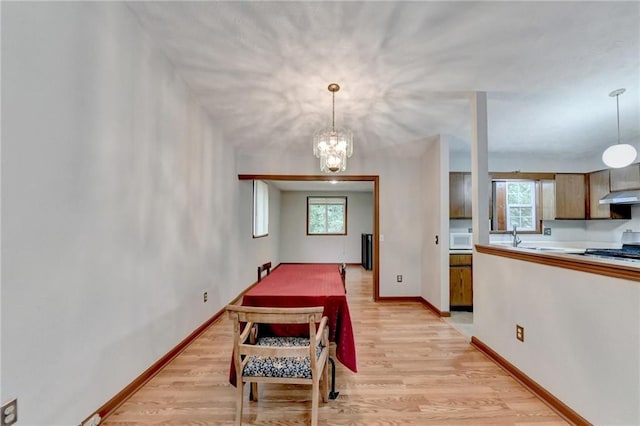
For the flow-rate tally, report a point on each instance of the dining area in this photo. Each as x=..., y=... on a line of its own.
x=412, y=368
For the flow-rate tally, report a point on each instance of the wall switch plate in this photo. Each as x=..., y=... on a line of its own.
x=205, y=297
x=399, y=278
x=9, y=413
x=547, y=231
x=520, y=332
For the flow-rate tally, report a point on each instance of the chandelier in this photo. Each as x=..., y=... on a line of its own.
x=333, y=146
x=620, y=154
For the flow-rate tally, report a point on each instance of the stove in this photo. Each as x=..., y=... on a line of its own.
x=628, y=251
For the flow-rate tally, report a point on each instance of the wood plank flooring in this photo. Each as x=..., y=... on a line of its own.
x=413, y=368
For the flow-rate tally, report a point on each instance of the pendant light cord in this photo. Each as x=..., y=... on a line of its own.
x=333, y=113
x=618, y=114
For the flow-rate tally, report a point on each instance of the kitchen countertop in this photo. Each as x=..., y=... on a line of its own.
x=625, y=269
x=460, y=251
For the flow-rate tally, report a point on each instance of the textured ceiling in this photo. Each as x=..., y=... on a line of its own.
x=407, y=69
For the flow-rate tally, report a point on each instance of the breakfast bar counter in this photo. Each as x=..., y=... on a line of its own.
x=624, y=269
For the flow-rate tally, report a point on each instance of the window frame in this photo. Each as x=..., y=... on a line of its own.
x=532, y=205
x=345, y=214
x=497, y=215
x=260, y=226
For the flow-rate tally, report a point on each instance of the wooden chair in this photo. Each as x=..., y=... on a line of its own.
x=285, y=360
x=343, y=275
x=261, y=269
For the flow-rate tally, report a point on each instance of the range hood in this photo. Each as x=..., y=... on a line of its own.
x=621, y=197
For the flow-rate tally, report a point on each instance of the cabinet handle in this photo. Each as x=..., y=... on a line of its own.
x=436, y=240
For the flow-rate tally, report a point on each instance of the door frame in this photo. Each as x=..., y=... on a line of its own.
x=376, y=209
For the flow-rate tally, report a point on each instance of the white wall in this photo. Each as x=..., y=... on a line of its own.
x=582, y=333
x=120, y=207
x=399, y=202
x=297, y=246
x=434, y=191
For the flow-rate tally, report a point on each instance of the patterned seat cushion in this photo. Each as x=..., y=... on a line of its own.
x=298, y=367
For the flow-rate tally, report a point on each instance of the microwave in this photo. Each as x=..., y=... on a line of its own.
x=460, y=240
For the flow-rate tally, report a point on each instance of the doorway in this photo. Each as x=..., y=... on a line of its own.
x=374, y=179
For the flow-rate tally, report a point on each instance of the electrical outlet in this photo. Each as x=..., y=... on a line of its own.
x=399, y=278
x=205, y=297
x=547, y=231
x=520, y=332
x=9, y=413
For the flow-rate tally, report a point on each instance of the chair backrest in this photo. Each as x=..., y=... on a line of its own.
x=262, y=268
x=251, y=316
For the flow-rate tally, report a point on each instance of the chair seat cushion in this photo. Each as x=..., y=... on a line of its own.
x=296, y=367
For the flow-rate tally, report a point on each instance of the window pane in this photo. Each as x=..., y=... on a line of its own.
x=260, y=208
x=316, y=218
x=327, y=215
x=521, y=205
x=335, y=218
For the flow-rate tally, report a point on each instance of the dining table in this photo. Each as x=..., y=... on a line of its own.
x=297, y=285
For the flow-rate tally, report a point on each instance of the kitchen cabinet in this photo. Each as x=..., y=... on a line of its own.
x=598, y=188
x=571, y=196
x=459, y=195
x=460, y=282
x=625, y=178
x=548, y=199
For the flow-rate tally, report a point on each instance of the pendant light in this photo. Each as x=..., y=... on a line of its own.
x=621, y=154
x=333, y=146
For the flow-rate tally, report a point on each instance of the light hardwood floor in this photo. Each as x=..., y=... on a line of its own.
x=413, y=368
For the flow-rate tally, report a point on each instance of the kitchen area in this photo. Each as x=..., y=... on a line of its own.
x=560, y=297
x=587, y=216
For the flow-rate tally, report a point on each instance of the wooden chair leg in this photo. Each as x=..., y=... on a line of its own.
x=324, y=382
x=239, y=390
x=254, y=391
x=314, y=402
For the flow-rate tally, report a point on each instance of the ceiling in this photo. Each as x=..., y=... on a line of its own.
x=407, y=71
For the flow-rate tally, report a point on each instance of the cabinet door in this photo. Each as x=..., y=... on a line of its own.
x=598, y=188
x=460, y=286
x=548, y=200
x=570, y=196
x=625, y=178
x=459, y=195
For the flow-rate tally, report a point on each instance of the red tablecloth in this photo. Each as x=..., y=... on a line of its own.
x=300, y=285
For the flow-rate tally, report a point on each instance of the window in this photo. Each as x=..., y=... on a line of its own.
x=326, y=215
x=516, y=202
x=521, y=205
x=260, y=209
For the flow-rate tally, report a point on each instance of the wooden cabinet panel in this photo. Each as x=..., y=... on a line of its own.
x=598, y=188
x=460, y=282
x=570, y=196
x=548, y=199
x=459, y=195
x=625, y=178
x=460, y=259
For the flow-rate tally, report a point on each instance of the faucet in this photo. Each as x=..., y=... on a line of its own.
x=516, y=240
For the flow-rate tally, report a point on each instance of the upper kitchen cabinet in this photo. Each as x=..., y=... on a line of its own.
x=598, y=188
x=548, y=189
x=459, y=195
x=571, y=196
x=625, y=178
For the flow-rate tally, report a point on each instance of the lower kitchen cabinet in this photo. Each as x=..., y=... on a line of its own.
x=460, y=282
